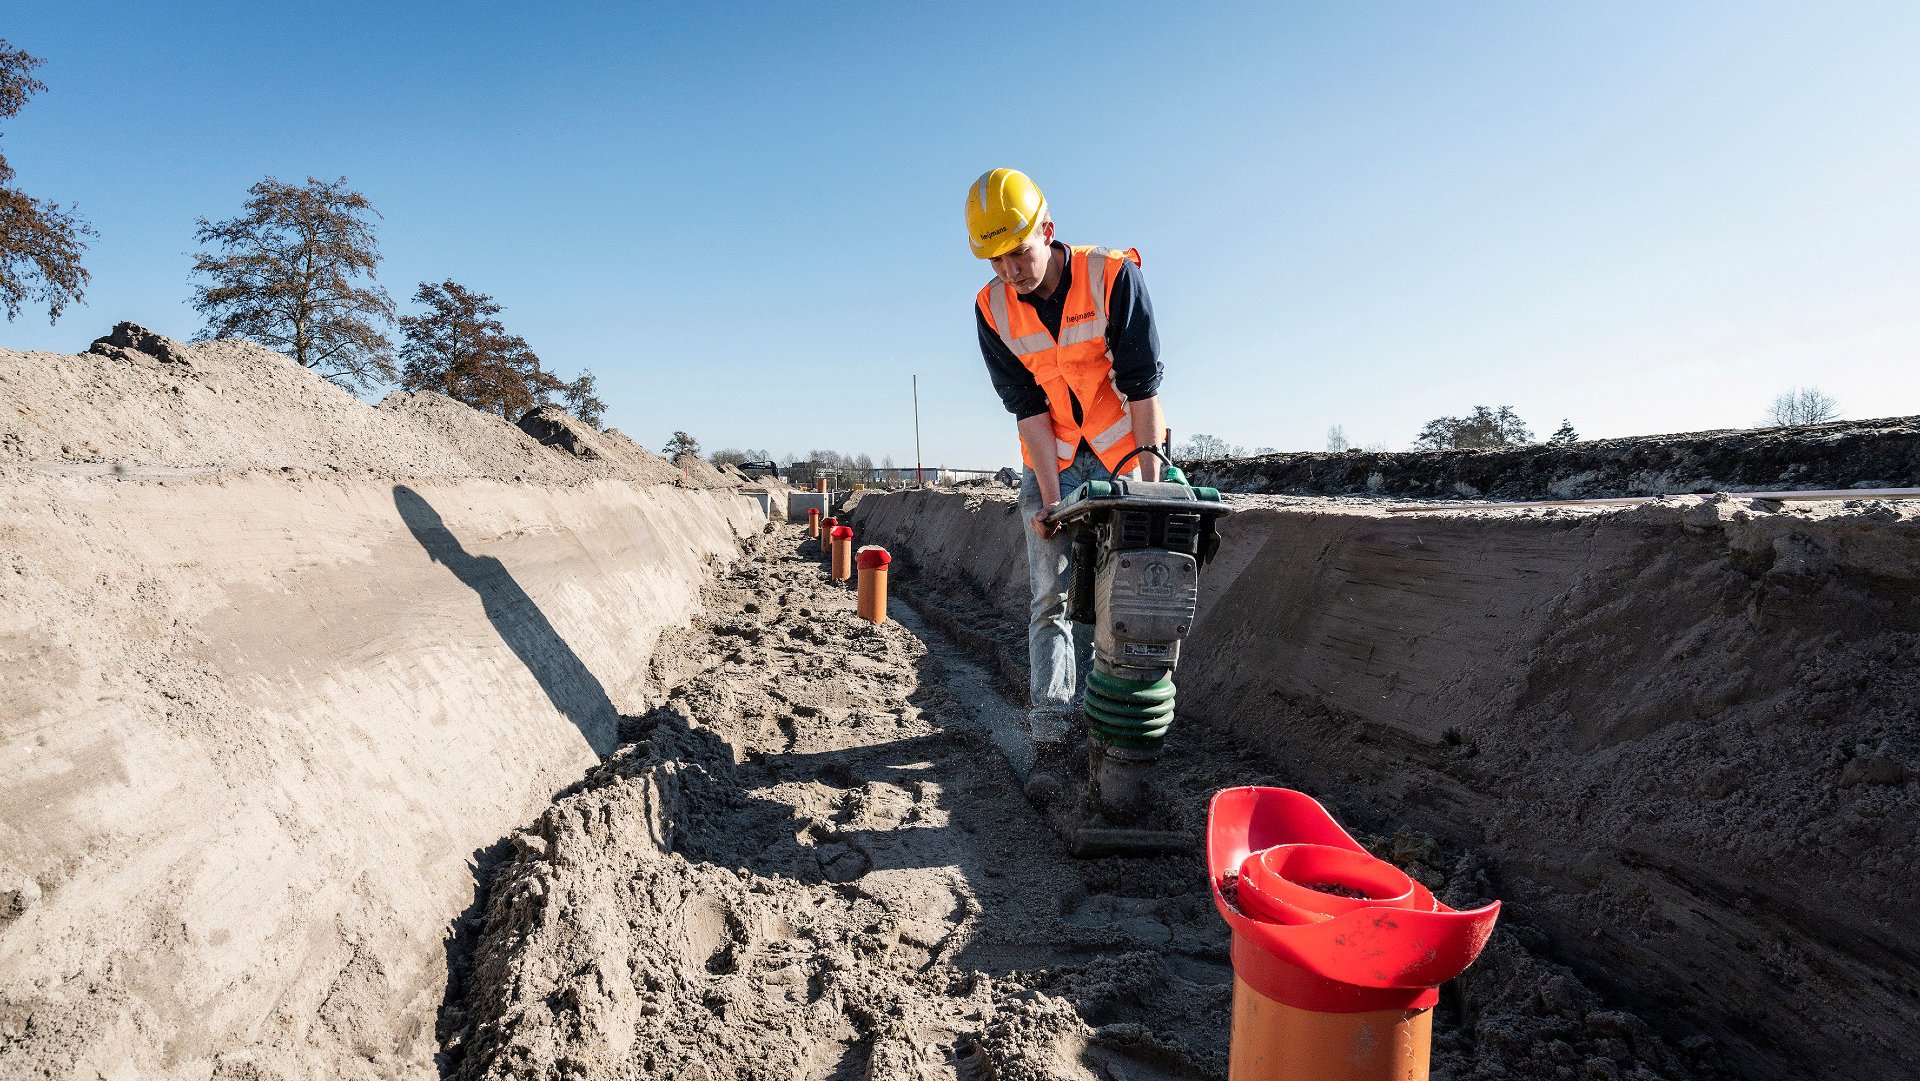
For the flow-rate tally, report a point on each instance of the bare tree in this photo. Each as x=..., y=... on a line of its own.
x=284, y=274
x=581, y=400
x=1802, y=405
x=1337, y=439
x=40, y=242
x=1482, y=429
x=1203, y=447
x=459, y=349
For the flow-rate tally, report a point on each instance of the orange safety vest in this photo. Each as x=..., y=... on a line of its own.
x=1077, y=367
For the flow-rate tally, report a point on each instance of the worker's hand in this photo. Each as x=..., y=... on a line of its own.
x=1041, y=527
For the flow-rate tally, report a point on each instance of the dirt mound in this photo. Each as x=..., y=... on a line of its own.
x=1683, y=738
x=1843, y=454
x=554, y=427
x=705, y=474
x=144, y=401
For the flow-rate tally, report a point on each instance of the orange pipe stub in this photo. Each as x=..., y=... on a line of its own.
x=1273, y=1041
x=842, y=553
x=813, y=523
x=826, y=537
x=872, y=561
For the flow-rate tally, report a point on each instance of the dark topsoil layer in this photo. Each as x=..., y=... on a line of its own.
x=1843, y=454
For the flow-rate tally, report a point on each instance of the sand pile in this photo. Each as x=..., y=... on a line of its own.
x=233, y=405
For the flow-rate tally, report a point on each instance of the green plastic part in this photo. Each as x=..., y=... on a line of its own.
x=1148, y=690
x=1128, y=712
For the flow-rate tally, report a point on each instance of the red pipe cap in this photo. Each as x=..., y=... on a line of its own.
x=828, y=523
x=813, y=512
x=1321, y=924
x=872, y=557
x=842, y=532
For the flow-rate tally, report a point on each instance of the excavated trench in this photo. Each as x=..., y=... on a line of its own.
x=812, y=860
x=275, y=663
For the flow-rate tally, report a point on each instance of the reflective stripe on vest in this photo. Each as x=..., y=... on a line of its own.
x=1077, y=367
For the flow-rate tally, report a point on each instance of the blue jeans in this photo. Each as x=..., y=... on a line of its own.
x=1059, y=651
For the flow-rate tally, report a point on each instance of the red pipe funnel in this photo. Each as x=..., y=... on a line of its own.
x=1321, y=924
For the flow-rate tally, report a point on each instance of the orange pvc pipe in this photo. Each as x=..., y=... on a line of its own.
x=842, y=553
x=873, y=594
x=813, y=523
x=1273, y=1041
x=872, y=604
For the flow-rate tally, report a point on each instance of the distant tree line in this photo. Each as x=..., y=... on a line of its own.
x=1802, y=405
x=1203, y=447
x=802, y=467
x=731, y=456
x=847, y=468
x=1481, y=429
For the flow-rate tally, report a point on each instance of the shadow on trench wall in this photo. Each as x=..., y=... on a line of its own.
x=572, y=688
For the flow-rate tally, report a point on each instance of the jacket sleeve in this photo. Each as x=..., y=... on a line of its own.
x=1132, y=337
x=1018, y=391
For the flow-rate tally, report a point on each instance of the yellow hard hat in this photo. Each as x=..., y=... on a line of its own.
x=1003, y=206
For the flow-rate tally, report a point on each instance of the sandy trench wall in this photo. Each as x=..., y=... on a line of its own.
x=1687, y=733
x=267, y=691
x=256, y=729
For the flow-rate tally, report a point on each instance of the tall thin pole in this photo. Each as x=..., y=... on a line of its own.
x=918, y=479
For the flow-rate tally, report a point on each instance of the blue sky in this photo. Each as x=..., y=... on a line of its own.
x=746, y=218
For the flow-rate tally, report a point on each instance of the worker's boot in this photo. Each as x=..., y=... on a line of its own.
x=1047, y=780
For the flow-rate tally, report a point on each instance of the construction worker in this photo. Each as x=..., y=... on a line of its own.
x=1069, y=341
